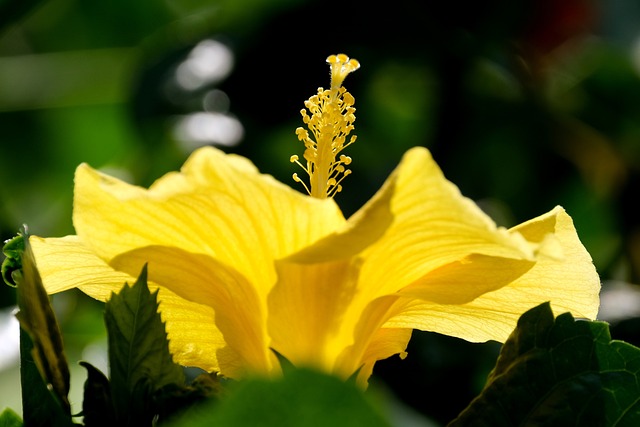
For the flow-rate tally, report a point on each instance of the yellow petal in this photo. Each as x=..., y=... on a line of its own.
x=423, y=237
x=306, y=310
x=194, y=338
x=311, y=321
x=386, y=342
x=218, y=205
x=311, y=325
x=362, y=229
x=64, y=263
x=434, y=226
x=315, y=287
x=570, y=283
x=372, y=341
x=440, y=247
x=239, y=313
x=463, y=281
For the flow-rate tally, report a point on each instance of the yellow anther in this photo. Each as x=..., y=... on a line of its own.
x=341, y=65
x=329, y=116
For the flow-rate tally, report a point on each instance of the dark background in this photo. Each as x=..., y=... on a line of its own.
x=525, y=105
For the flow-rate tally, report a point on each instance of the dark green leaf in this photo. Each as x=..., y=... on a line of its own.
x=559, y=372
x=8, y=418
x=139, y=358
x=97, y=408
x=38, y=319
x=40, y=407
x=12, y=250
x=300, y=398
x=174, y=399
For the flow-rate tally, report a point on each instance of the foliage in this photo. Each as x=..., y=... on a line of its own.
x=12, y=251
x=561, y=372
x=8, y=418
x=139, y=358
x=301, y=398
x=43, y=368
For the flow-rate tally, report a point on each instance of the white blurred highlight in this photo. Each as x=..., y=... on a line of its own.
x=208, y=62
x=10, y=338
x=198, y=129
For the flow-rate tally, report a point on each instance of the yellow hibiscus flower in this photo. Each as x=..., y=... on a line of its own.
x=247, y=267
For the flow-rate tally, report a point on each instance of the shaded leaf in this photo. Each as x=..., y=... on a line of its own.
x=300, y=398
x=36, y=317
x=559, y=372
x=139, y=358
x=8, y=418
x=97, y=407
x=174, y=399
x=40, y=407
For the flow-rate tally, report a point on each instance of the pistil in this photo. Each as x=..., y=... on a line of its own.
x=329, y=116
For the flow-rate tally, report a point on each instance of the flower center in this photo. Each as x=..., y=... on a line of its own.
x=329, y=115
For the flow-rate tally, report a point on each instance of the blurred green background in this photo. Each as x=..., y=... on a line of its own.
x=525, y=105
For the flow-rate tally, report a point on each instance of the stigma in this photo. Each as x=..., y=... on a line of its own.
x=329, y=117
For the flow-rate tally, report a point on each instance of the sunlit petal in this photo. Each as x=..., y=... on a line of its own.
x=239, y=313
x=365, y=326
x=361, y=230
x=463, y=281
x=306, y=310
x=434, y=226
x=64, y=263
x=570, y=283
x=440, y=247
x=217, y=205
x=309, y=317
x=194, y=338
x=386, y=342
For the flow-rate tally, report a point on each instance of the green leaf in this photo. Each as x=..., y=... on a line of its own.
x=8, y=418
x=40, y=407
x=12, y=250
x=300, y=398
x=139, y=358
x=559, y=372
x=45, y=347
x=174, y=399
